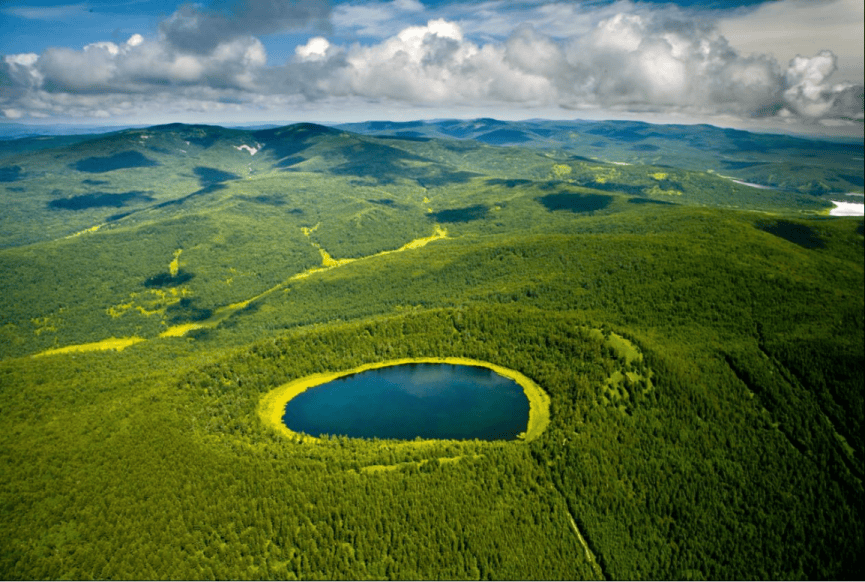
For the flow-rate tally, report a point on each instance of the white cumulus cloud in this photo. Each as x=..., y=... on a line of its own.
x=622, y=57
x=314, y=50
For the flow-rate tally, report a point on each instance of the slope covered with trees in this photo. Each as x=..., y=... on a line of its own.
x=701, y=343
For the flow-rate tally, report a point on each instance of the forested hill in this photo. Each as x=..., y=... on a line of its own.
x=54, y=186
x=700, y=340
x=806, y=165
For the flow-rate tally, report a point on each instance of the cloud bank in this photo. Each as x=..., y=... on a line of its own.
x=195, y=30
x=619, y=58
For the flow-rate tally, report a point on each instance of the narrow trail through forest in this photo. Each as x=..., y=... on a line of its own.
x=589, y=555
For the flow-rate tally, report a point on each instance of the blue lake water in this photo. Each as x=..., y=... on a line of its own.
x=431, y=401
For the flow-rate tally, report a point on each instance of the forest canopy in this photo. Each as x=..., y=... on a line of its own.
x=700, y=342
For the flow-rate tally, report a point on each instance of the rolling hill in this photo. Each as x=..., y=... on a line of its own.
x=700, y=338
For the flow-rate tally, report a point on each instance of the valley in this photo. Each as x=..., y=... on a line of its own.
x=697, y=345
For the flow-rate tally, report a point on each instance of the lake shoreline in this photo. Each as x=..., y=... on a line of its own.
x=271, y=408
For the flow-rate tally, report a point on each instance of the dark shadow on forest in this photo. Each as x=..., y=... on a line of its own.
x=205, y=140
x=237, y=318
x=575, y=202
x=185, y=311
x=210, y=176
x=670, y=185
x=100, y=200
x=201, y=334
x=11, y=174
x=855, y=180
x=121, y=161
x=796, y=233
x=507, y=183
x=168, y=280
x=465, y=214
x=178, y=201
x=272, y=200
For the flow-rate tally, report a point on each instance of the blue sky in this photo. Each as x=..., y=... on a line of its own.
x=792, y=65
x=33, y=26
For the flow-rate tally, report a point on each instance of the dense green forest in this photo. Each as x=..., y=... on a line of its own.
x=701, y=342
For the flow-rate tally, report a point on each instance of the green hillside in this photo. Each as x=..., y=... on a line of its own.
x=804, y=165
x=701, y=342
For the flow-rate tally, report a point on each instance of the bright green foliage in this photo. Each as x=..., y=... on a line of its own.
x=704, y=362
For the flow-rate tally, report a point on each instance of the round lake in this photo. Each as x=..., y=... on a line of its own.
x=431, y=401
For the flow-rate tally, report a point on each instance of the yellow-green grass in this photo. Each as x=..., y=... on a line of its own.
x=174, y=265
x=624, y=348
x=151, y=302
x=271, y=408
x=328, y=262
x=373, y=469
x=113, y=343
x=163, y=299
x=86, y=230
x=220, y=315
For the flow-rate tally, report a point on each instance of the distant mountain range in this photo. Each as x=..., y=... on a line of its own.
x=808, y=165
